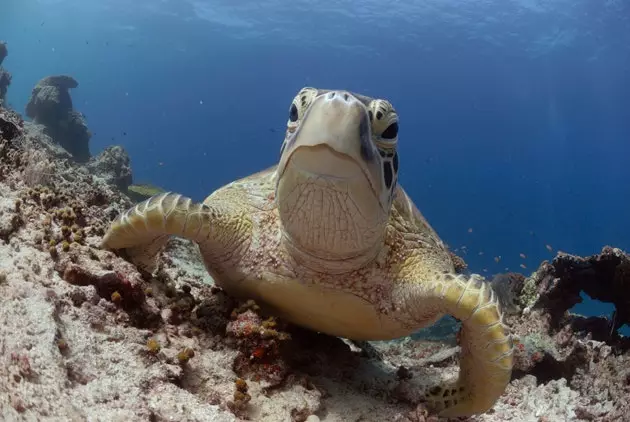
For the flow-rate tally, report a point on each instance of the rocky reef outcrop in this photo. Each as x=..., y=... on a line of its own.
x=114, y=166
x=5, y=76
x=3, y=51
x=51, y=106
x=85, y=336
x=11, y=124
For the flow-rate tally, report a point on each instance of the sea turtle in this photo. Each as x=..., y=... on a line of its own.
x=327, y=239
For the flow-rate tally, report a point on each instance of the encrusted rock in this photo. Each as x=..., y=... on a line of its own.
x=11, y=125
x=113, y=165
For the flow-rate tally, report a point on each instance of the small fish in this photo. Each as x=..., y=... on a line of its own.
x=523, y=266
x=549, y=248
x=470, y=230
x=124, y=133
x=485, y=270
x=497, y=259
x=480, y=253
x=522, y=255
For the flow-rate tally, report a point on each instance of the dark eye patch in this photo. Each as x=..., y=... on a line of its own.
x=389, y=176
x=293, y=113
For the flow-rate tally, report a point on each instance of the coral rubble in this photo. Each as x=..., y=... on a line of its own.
x=51, y=105
x=85, y=336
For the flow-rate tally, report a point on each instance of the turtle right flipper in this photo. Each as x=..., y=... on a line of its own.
x=486, y=345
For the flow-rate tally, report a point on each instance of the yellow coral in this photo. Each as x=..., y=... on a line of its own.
x=116, y=297
x=153, y=346
x=185, y=355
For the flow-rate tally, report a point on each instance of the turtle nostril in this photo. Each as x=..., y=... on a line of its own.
x=345, y=96
x=331, y=95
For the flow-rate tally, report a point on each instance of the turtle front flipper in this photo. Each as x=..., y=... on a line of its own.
x=486, y=345
x=144, y=229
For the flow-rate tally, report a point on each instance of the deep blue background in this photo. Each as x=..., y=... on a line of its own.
x=515, y=115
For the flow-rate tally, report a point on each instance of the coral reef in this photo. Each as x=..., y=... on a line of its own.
x=51, y=105
x=5, y=77
x=85, y=336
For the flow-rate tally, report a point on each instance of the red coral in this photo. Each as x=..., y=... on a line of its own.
x=259, y=346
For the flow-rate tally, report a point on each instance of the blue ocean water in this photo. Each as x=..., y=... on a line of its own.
x=515, y=114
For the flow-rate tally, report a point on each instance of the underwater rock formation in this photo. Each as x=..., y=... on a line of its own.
x=51, y=105
x=3, y=51
x=5, y=77
x=113, y=165
x=85, y=335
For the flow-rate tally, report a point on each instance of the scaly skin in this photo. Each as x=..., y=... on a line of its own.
x=329, y=241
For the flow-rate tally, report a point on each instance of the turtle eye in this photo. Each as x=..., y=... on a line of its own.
x=293, y=113
x=391, y=132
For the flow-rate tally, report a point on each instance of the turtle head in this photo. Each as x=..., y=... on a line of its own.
x=337, y=173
